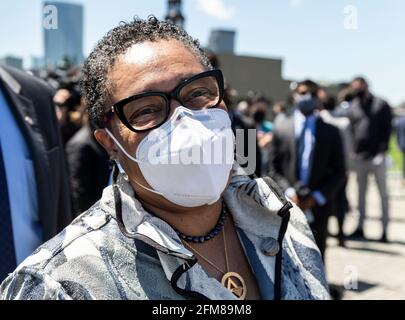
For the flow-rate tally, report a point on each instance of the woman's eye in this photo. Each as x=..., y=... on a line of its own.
x=143, y=112
x=198, y=93
x=146, y=111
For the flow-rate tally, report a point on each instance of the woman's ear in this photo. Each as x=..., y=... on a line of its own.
x=106, y=141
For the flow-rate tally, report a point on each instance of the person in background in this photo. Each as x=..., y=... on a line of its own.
x=279, y=112
x=306, y=160
x=69, y=109
x=344, y=98
x=370, y=119
x=340, y=204
x=240, y=121
x=89, y=168
x=34, y=190
x=258, y=109
x=400, y=131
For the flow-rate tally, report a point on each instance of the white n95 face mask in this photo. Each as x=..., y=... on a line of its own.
x=188, y=159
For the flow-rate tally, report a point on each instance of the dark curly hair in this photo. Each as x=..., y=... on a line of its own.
x=94, y=85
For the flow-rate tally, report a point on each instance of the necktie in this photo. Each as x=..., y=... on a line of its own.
x=302, y=167
x=7, y=252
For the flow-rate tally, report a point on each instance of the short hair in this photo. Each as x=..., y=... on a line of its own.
x=313, y=86
x=212, y=57
x=281, y=105
x=94, y=84
x=256, y=97
x=329, y=103
x=360, y=79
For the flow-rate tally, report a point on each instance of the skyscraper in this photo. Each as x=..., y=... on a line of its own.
x=174, y=14
x=222, y=41
x=63, y=33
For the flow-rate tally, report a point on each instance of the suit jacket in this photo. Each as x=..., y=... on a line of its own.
x=30, y=100
x=89, y=170
x=343, y=125
x=371, y=126
x=327, y=168
x=240, y=122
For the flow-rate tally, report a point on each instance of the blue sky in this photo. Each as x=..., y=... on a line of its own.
x=308, y=34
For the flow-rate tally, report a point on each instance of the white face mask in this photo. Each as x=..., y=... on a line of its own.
x=188, y=159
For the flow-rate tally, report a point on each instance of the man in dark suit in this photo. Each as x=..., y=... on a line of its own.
x=89, y=170
x=34, y=194
x=306, y=159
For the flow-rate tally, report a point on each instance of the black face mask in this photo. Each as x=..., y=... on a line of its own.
x=259, y=116
x=307, y=103
x=360, y=94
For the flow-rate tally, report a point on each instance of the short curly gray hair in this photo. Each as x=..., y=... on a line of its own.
x=94, y=84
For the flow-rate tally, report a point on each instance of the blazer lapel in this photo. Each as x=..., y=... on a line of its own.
x=290, y=131
x=24, y=113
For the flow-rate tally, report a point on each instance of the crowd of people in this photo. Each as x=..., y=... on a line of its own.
x=311, y=147
x=53, y=168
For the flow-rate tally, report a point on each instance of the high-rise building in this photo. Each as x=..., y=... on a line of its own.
x=174, y=14
x=222, y=41
x=12, y=61
x=63, y=35
x=36, y=62
x=247, y=73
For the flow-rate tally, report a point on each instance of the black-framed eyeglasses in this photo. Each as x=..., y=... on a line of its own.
x=149, y=110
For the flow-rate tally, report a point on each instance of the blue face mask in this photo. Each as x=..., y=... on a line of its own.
x=307, y=103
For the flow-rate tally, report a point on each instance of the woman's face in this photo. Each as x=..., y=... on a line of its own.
x=148, y=66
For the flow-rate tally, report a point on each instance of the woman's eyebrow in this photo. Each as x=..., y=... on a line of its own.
x=152, y=87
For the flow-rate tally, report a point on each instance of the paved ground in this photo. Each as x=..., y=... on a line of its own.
x=369, y=269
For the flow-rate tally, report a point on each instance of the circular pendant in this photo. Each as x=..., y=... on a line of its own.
x=235, y=283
